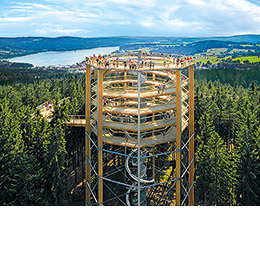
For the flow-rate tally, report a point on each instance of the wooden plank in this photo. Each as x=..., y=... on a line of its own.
x=77, y=123
x=125, y=78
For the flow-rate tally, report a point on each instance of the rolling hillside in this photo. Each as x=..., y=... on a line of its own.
x=11, y=47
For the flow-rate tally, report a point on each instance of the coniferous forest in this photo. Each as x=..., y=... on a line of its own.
x=41, y=162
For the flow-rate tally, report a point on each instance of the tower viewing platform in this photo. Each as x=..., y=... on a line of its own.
x=143, y=62
x=139, y=129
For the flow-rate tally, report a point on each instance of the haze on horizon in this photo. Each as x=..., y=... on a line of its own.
x=85, y=18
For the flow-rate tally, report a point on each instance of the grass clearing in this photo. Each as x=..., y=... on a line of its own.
x=211, y=59
x=246, y=45
x=251, y=59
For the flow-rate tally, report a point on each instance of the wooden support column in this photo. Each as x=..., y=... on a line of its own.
x=191, y=133
x=95, y=74
x=125, y=84
x=100, y=136
x=153, y=152
x=125, y=78
x=153, y=166
x=87, y=129
x=178, y=137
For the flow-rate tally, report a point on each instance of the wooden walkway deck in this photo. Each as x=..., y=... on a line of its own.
x=144, y=127
x=145, y=142
x=134, y=94
x=143, y=111
x=80, y=121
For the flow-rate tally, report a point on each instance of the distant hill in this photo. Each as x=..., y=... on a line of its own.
x=248, y=38
x=58, y=44
x=198, y=47
x=11, y=47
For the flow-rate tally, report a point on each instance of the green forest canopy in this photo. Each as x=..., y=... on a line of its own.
x=35, y=155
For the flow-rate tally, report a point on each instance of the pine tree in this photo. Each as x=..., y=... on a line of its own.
x=56, y=158
x=228, y=122
x=248, y=169
x=216, y=179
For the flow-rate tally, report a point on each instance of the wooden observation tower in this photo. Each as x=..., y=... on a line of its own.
x=139, y=130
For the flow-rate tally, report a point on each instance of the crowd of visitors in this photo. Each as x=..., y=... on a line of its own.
x=133, y=63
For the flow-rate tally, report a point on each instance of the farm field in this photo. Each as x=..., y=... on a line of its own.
x=211, y=59
x=251, y=59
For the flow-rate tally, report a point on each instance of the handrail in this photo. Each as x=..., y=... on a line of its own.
x=132, y=63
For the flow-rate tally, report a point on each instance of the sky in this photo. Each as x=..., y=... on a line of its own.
x=96, y=18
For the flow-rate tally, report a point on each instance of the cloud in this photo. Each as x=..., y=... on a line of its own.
x=147, y=23
x=34, y=6
x=230, y=17
x=131, y=17
x=196, y=2
x=14, y=19
x=50, y=30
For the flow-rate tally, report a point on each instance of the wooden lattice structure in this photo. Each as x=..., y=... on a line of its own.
x=139, y=130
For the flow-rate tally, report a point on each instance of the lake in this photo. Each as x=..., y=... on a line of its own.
x=61, y=58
